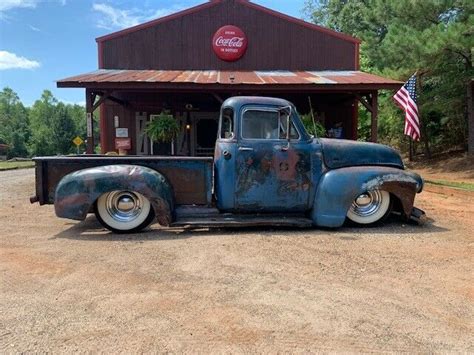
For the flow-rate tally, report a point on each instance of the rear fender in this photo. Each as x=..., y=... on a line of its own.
x=339, y=188
x=77, y=191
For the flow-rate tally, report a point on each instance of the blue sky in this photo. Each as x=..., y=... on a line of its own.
x=45, y=40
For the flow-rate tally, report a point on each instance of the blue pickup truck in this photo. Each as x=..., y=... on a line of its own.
x=266, y=170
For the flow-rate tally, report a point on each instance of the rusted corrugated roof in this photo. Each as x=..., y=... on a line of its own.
x=203, y=77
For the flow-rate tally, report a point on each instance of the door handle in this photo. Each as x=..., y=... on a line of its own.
x=245, y=149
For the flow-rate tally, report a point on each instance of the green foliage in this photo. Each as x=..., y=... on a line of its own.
x=14, y=123
x=164, y=128
x=316, y=129
x=47, y=128
x=63, y=129
x=433, y=37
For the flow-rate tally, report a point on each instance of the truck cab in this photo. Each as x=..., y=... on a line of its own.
x=265, y=161
x=266, y=170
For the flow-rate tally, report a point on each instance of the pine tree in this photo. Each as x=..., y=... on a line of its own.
x=401, y=37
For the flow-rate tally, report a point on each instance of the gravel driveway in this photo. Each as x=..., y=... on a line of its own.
x=68, y=286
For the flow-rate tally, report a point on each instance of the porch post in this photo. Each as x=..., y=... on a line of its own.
x=374, y=102
x=90, y=98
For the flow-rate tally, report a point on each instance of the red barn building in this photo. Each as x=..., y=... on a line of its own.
x=189, y=62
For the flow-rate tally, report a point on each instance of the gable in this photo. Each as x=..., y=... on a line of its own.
x=183, y=41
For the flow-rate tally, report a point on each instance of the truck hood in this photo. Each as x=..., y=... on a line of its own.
x=340, y=153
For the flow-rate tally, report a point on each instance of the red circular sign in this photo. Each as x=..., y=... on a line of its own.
x=229, y=43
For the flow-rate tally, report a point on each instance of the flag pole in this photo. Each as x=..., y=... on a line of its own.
x=423, y=129
x=406, y=99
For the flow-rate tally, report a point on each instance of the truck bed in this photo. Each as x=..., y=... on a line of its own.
x=191, y=177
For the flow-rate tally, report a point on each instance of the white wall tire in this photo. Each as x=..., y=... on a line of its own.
x=124, y=211
x=370, y=207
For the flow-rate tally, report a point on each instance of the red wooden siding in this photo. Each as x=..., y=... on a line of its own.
x=184, y=43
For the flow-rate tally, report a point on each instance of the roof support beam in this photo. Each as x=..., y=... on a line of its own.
x=101, y=100
x=371, y=103
x=90, y=99
x=93, y=104
x=364, y=101
x=374, y=116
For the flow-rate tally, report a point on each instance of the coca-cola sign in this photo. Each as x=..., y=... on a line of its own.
x=229, y=43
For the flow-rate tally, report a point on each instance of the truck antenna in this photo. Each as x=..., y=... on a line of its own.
x=312, y=114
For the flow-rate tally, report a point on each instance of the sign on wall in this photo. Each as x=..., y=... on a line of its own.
x=229, y=43
x=121, y=132
x=123, y=143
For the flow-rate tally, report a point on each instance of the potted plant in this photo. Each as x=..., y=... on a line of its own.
x=163, y=128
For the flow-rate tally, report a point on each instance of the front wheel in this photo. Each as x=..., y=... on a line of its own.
x=124, y=211
x=370, y=207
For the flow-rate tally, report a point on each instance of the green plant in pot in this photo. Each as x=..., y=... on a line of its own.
x=163, y=128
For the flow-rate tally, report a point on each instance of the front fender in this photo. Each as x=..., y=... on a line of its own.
x=77, y=191
x=338, y=189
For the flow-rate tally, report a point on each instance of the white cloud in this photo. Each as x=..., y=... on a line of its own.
x=33, y=28
x=113, y=18
x=12, y=61
x=6, y=5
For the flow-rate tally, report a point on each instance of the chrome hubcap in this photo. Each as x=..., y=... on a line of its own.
x=124, y=206
x=367, y=203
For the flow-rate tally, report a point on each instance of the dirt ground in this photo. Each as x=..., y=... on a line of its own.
x=68, y=286
x=456, y=166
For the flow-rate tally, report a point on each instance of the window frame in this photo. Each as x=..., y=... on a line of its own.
x=221, y=118
x=265, y=109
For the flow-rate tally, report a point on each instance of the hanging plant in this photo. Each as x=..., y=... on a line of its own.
x=163, y=128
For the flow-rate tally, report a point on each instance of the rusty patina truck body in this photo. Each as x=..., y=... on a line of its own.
x=267, y=170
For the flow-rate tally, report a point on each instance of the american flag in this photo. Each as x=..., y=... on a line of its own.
x=406, y=99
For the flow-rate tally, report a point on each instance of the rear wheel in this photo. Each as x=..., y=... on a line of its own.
x=124, y=211
x=370, y=207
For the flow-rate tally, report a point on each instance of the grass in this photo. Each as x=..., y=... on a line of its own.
x=460, y=185
x=9, y=165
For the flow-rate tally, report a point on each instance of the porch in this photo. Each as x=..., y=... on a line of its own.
x=128, y=99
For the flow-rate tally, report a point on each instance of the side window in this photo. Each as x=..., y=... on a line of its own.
x=227, y=123
x=266, y=125
x=260, y=124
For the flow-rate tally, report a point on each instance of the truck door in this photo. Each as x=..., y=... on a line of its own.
x=272, y=173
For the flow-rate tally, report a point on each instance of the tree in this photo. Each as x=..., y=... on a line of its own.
x=433, y=37
x=63, y=129
x=14, y=125
x=41, y=116
x=54, y=125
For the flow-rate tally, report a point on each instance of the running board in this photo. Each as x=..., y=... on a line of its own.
x=218, y=220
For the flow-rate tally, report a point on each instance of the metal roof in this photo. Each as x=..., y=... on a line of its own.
x=209, y=77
